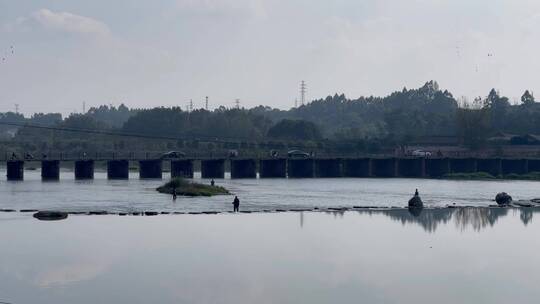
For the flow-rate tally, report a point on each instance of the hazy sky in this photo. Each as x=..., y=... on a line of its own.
x=165, y=52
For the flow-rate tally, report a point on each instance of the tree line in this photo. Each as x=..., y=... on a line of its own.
x=351, y=124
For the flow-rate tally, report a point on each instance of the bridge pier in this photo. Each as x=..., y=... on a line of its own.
x=273, y=168
x=243, y=168
x=437, y=167
x=490, y=165
x=516, y=166
x=213, y=168
x=533, y=165
x=50, y=170
x=84, y=169
x=15, y=170
x=300, y=168
x=384, y=167
x=412, y=167
x=118, y=169
x=182, y=168
x=328, y=168
x=150, y=168
x=359, y=167
x=463, y=165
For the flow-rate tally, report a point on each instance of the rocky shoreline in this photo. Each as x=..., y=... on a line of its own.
x=57, y=214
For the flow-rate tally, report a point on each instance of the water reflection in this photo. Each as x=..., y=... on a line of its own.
x=429, y=219
x=476, y=218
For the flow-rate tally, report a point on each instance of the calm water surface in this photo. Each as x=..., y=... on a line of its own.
x=468, y=255
x=255, y=194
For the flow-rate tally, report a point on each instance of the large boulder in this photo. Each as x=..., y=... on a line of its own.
x=416, y=202
x=503, y=198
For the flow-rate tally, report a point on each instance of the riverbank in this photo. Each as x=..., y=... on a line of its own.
x=519, y=205
x=532, y=176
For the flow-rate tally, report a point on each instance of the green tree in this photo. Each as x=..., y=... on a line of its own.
x=527, y=98
x=473, y=126
x=288, y=129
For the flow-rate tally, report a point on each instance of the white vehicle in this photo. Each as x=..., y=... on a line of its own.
x=421, y=153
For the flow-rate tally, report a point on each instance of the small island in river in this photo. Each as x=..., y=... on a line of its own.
x=187, y=188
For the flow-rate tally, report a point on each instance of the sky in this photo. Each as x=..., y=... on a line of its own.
x=166, y=52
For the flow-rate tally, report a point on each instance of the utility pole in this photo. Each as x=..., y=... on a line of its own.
x=303, y=90
x=84, y=107
x=296, y=102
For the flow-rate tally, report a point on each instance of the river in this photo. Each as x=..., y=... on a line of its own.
x=462, y=255
x=255, y=194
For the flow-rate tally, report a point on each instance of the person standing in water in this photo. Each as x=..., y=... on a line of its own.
x=212, y=182
x=236, y=204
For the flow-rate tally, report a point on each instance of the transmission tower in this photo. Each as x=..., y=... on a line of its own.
x=206, y=104
x=237, y=103
x=191, y=105
x=17, y=108
x=303, y=90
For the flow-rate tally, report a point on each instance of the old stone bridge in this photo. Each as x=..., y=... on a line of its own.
x=282, y=167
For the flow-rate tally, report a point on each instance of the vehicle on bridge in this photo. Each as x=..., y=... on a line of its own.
x=421, y=153
x=298, y=154
x=173, y=154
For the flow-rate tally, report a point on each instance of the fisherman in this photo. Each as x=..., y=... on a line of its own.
x=212, y=182
x=416, y=192
x=236, y=204
x=174, y=194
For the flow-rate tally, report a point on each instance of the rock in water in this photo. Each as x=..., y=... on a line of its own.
x=503, y=198
x=50, y=215
x=416, y=202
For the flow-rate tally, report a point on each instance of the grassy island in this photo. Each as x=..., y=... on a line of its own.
x=186, y=188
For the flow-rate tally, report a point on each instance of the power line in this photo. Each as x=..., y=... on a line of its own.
x=189, y=106
x=113, y=133
x=303, y=90
x=195, y=137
